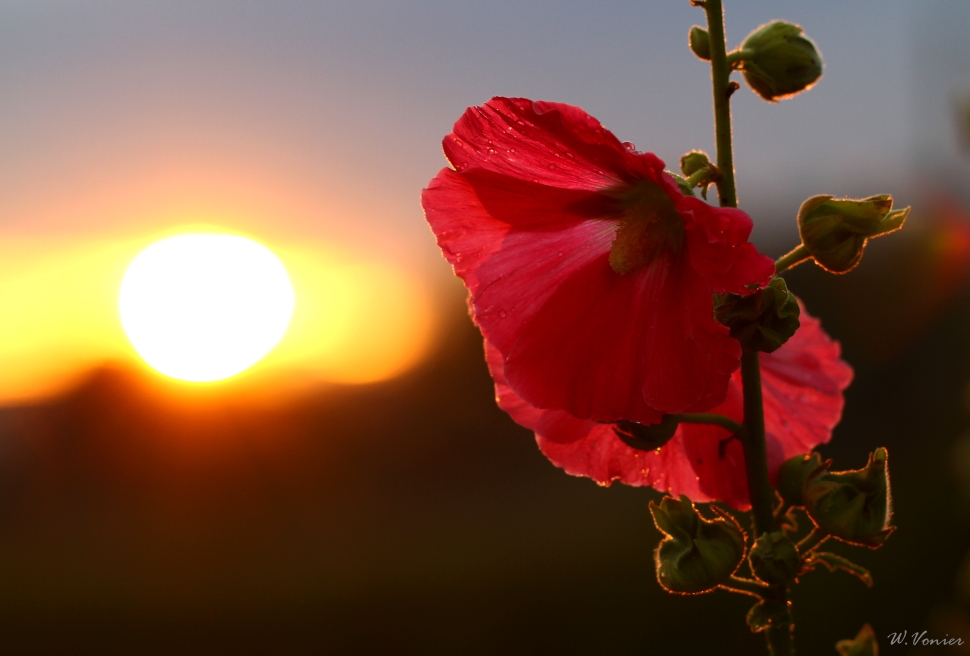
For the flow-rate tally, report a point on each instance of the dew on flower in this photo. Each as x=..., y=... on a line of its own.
x=503, y=313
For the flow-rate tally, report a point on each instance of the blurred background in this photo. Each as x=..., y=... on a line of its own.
x=358, y=491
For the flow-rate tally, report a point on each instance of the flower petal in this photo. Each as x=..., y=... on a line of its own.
x=586, y=448
x=550, y=143
x=718, y=243
x=802, y=385
x=803, y=382
x=606, y=346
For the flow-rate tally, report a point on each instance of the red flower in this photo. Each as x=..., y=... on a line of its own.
x=802, y=384
x=589, y=271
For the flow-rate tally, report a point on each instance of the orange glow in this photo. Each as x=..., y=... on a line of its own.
x=354, y=321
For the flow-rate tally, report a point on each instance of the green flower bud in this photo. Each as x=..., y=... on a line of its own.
x=779, y=62
x=762, y=321
x=767, y=613
x=774, y=559
x=864, y=644
x=685, y=188
x=835, y=231
x=792, y=476
x=697, y=554
x=646, y=437
x=693, y=162
x=854, y=506
x=700, y=42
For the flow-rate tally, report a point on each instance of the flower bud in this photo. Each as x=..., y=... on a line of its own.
x=774, y=559
x=762, y=321
x=854, y=506
x=646, y=437
x=700, y=42
x=792, y=476
x=835, y=231
x=685, y=188
x=767, y=613
x=693, y=162
x=697, y=554
x=779, y=62
x=864, y=644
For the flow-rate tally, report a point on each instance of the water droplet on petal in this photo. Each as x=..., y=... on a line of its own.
x=511, y=150
x=459, y=143
x=559, y=254
x=552, y=166
x=629, y=147
x=502, y=314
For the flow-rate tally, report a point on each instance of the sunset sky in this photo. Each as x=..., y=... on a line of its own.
x=312, y=127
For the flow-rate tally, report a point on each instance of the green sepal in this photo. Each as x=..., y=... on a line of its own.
x=646, y=437
x=696, y=555
x=767, y=613
x=836, y=230
x=700, y=42
x=792, y=475
x=762, y=321
x=864, y=644
x=854, y=506
x=778, y=61
x=774, y=559
x=834, y=562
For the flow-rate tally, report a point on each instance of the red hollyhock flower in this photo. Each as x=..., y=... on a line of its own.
x=802, y=384
x=589, y=271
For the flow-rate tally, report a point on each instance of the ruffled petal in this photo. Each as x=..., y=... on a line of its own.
x=802, y=390
x=548, y=143
x=717, y=239
x=586, y=448
x=606, y=346
x=803, y=385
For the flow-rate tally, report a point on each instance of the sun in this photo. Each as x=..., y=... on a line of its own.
x=204, y=307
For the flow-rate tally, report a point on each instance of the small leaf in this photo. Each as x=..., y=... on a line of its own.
x=833, y=562
x=864, y=644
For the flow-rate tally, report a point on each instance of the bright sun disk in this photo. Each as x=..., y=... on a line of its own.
x=203, y=307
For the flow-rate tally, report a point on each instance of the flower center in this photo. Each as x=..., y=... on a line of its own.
x=650, y=225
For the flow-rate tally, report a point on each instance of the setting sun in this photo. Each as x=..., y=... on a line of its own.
x=203, y=307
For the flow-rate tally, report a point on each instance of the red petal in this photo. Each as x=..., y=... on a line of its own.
x=803, y=382
x=802, y=385
x=609, y=347
x=717, y=239
x=549, y=143
x=585, y=448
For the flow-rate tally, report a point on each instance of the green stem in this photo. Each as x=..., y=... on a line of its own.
x=779, y=635
x=745, y=586
x=699, y=176
x=794, y=258
x=720, y=75
x=737, y=56
x=755, y=453
x=811, y=541
x=711, y=418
